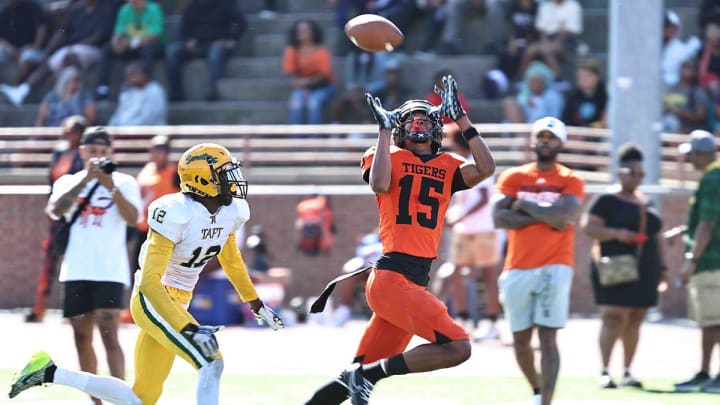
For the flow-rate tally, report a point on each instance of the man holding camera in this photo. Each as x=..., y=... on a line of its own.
x=95, y=270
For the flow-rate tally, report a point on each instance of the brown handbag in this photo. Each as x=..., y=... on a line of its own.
x=622, y=269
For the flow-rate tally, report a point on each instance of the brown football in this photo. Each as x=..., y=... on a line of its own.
x=373, y=33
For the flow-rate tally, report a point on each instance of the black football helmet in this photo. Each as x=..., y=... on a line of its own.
x=418, y=135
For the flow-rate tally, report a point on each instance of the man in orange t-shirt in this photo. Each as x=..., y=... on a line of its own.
x=413, y=183
x=538, y=204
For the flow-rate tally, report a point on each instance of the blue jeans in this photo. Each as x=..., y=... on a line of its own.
x=312, y=100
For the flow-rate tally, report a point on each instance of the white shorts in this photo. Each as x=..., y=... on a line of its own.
x=539, y=296
x=87, y=54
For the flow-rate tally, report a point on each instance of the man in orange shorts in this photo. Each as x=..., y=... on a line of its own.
x=413, y=183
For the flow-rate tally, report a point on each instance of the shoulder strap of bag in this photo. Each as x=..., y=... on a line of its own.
x=643, y=222
x=83, y=204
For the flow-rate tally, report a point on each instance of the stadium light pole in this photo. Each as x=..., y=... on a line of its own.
x=635, y=86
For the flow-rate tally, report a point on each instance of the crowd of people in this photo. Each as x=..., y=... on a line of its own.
x=527, y=277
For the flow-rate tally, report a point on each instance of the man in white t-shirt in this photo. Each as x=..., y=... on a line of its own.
x=474, y=252
x=95, y=271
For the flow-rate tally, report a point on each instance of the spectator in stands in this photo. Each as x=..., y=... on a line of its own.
x=474, y=252
x=586, y=104
x=77, y=41
x=139, y=33
x=65, y=160
x=521, y=33
x=256, y=242
x=558, y=22
x=142, y=100
x=686, y=104
x=309, y=63
x=344, y=11
x=709, y=76
x=394, y=92
x=428, y=14
x=68, y=97
x=450, y=128
x=675, y=51
x=625, y=223
x=208, y=29
x=537, y=98
x=157, y=178
x=24, y=28
x=458, y=11
x=701, y=270
x=364, y=72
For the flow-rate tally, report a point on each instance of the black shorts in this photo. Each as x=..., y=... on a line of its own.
x=81, y=297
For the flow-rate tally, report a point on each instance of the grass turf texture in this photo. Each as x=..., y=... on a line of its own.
x=416, y=389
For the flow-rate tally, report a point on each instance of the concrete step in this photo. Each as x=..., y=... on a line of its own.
x=273, y=89
x=225, y=112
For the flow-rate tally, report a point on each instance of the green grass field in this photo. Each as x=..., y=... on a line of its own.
x=417, y=389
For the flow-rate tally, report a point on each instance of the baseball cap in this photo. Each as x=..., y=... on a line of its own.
x=552, y=124
x=95, y=136
x=160, y=141
x=700, y=141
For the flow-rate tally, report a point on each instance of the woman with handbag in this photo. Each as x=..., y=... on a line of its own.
x=628, y=265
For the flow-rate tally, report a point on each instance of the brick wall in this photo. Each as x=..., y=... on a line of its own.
x=24, y=227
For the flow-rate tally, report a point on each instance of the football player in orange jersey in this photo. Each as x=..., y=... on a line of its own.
x=538, y=203
x=413, y=182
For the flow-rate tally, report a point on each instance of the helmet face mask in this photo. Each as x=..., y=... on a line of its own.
x=208, y=170
x=423, y=129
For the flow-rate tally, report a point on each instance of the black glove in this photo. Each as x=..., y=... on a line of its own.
x=451, y=106
x=386, y=119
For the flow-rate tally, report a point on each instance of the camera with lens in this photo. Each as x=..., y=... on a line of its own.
x=107, y=165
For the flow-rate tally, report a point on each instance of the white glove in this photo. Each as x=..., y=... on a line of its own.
x=203, y=337
x=268, y=316
x=451, y=106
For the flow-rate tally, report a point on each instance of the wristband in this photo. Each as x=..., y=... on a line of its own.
x=470, y=133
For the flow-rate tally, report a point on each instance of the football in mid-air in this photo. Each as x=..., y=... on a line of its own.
x=374, y=33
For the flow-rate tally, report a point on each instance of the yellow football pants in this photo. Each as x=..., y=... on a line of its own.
x=158, y=344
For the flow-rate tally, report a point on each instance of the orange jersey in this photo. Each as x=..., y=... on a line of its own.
x=155, y=184
x=412, y=211
x=538, y=244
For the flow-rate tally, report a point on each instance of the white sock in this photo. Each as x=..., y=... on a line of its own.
x=208, y=389
x=107, y=388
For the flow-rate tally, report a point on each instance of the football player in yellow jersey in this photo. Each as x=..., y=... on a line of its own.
x=187, y=229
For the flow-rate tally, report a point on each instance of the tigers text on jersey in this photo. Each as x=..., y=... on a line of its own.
x=198, y=235
x=412, y=211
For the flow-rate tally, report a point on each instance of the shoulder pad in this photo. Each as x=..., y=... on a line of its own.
x=169, y=214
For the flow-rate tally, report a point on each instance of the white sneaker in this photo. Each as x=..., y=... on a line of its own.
x=537, y=400
x=16, y=94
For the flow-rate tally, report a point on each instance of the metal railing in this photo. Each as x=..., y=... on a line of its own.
x=324, y=154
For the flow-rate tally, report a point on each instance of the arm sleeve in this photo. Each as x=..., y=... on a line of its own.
x=575, y=186
x=156, y=261
x=156, y=23
x=289, y=65
x=122, y=20
x=709, y=200
x=234, y=266
x=325, y=63
x=506, y=185
x=575, y=23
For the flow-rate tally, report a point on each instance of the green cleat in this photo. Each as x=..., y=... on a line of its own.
x=33, y=374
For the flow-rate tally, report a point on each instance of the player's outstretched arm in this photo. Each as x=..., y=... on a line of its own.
x=380, y=169
x=484, y=165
